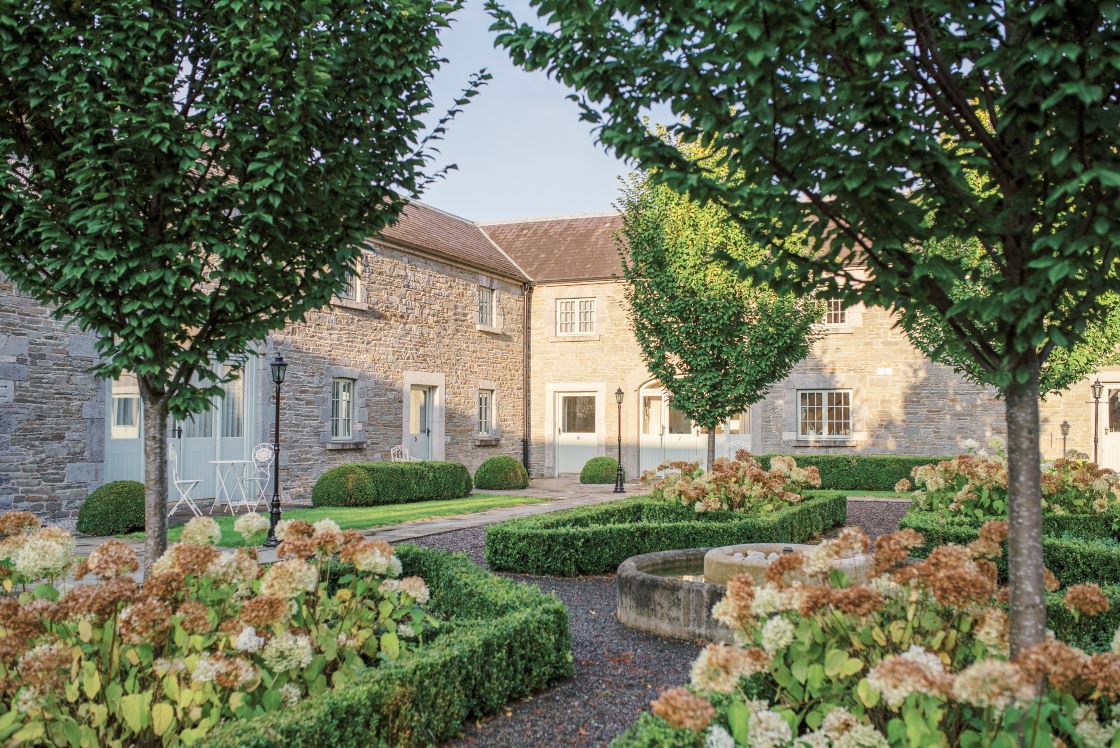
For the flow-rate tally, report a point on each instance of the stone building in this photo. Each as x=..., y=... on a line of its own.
x=458, y=341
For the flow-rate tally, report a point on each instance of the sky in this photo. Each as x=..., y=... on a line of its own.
x=520, y=147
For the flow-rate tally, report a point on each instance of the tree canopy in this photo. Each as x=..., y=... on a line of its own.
x=183, y=177
x=881, y=130
x=716, y=342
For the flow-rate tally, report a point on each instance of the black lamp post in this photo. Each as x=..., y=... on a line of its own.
x=1065, y=435
x=618, y=394
x=279, y=369
x=1097, y=389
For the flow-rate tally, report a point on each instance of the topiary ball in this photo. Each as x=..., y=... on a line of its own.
x=501, y=473
x=345, y=485
x=113, y=509
x=600, y=470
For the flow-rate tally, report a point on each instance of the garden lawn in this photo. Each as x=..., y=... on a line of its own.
x=360, y=518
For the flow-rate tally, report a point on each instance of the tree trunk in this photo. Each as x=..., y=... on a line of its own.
x=155, y=476
x=711, y=447
x=1024, y=488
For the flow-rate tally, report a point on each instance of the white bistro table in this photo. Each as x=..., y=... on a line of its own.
x=229, y=470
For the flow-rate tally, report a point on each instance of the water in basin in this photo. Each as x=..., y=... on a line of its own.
x=689, y=571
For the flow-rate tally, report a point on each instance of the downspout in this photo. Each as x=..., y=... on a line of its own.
x=526, y=380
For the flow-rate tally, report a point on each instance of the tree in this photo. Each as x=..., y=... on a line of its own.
x=716, y=342
x=860, y=124
x=184, y=177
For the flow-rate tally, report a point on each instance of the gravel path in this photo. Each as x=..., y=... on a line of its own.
x=618, y=671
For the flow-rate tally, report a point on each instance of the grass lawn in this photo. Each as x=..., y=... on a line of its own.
x=861, y=494
x=360, y=518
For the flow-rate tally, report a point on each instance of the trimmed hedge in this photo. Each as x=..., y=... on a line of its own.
x=113, y=509
x=600, y=470
x=596, y=539
x=504, y=641
x=501, y=473
x=859, y=472
x=1074, y=560
x=391, y=483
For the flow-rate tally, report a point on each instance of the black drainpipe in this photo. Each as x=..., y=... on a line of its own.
x=526, y=314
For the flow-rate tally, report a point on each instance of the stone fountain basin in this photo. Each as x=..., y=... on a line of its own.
x=720, y=564
x=653, y=598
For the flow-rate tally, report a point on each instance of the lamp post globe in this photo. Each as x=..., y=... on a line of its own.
x=618, y=397
x=279, y=369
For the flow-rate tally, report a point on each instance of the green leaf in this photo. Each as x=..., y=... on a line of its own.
x=390, y=645
x=134, y=710
x=739, y=720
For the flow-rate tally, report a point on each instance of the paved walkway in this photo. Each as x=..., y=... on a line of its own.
x=564, y=493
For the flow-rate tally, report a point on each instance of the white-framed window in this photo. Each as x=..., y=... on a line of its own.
x=233, y=407
x=486, y=412
x=126, y=408
x=824, y=414
x=342, y=408
x=835, y=313
x=575, y=316
x=352, y=291
x=486, y=306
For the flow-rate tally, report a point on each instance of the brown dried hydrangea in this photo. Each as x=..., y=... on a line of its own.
x=1056, y=661
x=1086, y=599
x=1049, y=581
x=195, y=617
x=145, y=622
x=45, y=667
x=264, y=610
x=166, y=585
x=734, y=610
x=954, y=578
x=683, y=709
x=893, y=549
x=786, y=564
x=99, y=600
x=110, y=559
x=1102, y=672
x=294, y=545
x=857, y=601
x=812, y=598
x=14, y=523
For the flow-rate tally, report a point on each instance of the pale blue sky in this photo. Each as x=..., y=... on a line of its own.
x=521, y=148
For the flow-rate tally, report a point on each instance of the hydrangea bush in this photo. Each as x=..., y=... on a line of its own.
x=209, y=636
x=918, y=656
x=739, y=485
x=975, y=485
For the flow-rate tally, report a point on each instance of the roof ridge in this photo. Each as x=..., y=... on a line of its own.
x=441, y=210
x=566, y=217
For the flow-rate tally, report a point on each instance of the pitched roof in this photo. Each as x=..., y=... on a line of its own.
x=424, y=228
x=561, y=249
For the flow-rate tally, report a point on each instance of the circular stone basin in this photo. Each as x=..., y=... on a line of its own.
x=665, y=594
x=720, y=564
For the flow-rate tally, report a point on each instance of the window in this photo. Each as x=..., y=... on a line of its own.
x=485, y=412
x=835, y=313
x=342, y=408
x=679, y=422
x=575, y=316
x=740, y=423
x=651, y=414
x=353, y=288
x=485, y=306
x=577, y=414
x=233, y=407
x=126, y=408
x=825, y=413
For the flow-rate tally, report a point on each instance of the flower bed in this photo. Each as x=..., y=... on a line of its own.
x=595, y=540
x=739, y=485
x=918, y=656
x=209, y=638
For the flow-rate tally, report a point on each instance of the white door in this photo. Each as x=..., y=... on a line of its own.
x=576, y=438
x=1110, y=427
x=420, y=409
x=667, y=434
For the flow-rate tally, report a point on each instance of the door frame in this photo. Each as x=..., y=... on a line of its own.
x=552, y=391
x=1110, y=378
x=437, y=383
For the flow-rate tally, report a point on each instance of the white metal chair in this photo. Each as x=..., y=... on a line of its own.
x=257, y=483
x=399, y=453
x=182, y=487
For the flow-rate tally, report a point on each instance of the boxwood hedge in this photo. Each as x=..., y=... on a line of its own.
x=503, y=641
x=859, y=472
x=596, y=539
x=501, y=472
x=601, y=469
x=374, y=483
x=1074, y=559
x=115, y=508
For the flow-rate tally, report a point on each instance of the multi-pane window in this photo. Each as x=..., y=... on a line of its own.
x=342, y=408
x=835, y=313
x=352, y=289
x=575, y=316
x=233, y=408
x=486, y=412
x=679, y=422
x=126, y=408
x=825, y=413
x=485, y=306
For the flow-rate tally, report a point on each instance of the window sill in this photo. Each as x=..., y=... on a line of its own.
x=845, y=442
x=345, y=444
x=580, y=338
x=487, y=441
x=489, y=329
x=349, y=304
x=844, y=329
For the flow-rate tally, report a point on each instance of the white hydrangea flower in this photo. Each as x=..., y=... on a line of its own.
x=249, y=524
x=970, y=445
x=777, y=634
x=1116, y=642
x=248, y=641
x=291, y=694
x=287, y=651
x=45, y=554
x=861, y=736
x=718, y=738
x=768, y=730
x=201, y=531
x=924, y=657
x=1090, y=730
x=767, y=601
x=327, y=525
x=282, y=528
x=205, y=670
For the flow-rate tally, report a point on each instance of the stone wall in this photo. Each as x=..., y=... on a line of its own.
x=415, y=323
x=52, y=413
